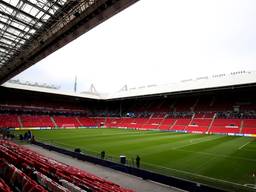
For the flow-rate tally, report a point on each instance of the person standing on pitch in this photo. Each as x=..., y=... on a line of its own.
x=138, y=161
x=102, y=154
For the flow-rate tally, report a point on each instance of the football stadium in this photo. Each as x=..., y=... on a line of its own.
x=197, y=134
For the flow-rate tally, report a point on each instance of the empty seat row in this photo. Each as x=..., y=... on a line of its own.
x=200, y=123
x=249, y=123
x=63, y=121
x=9, y=121
x=17, y=179
x=4, y=187
x=36, y=121
x=52, y=174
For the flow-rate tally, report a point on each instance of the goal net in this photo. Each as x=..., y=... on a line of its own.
x=68, y=126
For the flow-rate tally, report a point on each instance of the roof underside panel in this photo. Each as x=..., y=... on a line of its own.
x=20, y=22
x=32, y=29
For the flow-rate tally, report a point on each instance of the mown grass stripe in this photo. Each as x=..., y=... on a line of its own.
x=216, y=157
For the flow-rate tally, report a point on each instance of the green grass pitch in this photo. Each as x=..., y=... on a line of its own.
x=224, y=161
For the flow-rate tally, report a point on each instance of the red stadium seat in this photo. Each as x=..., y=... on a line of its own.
x=63, y=121
x=9, y=121
x=36, y=121
x=226, y=126
x=48, y=166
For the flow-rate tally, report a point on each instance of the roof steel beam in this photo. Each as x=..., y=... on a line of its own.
x=14, y=35
x=75, y=18
x=3, y=46
x=15, y=28
x=37, y=7
x=55, y=3
x=5, y=53
x=18, y=20
x=21, y=11
x=10, y=40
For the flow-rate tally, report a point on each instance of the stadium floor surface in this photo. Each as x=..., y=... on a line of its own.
x=228, y=162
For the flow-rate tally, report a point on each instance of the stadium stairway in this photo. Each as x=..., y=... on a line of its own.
x=181, y=124
x=210, y=126
x=167, y=123
x=63, y=121
x=241, y=126
x=172, y=125
x=36, y=121
x=192, y=118
x=20, y=122
x=53, y=121
x=160, y=124
x=80, y=124
x=226, y=126
x=199, y=124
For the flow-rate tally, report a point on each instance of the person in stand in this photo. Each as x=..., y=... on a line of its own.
x=25, y=136
x=8, y=133
x=32, y=139
x=29, y=135
x=21, y=137
x=4, y=131
x=138, y=161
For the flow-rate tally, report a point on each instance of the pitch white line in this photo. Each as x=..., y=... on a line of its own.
x=195, y=175
x=244, y=145
x=218, y=155
x=201, y=140
x=88, y=136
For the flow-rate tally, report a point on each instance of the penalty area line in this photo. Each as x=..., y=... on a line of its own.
x=244, y=145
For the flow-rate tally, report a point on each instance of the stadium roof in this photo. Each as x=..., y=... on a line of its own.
x=200, y=84
x=30, y=30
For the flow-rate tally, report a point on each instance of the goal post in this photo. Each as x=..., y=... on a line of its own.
x=67, y=126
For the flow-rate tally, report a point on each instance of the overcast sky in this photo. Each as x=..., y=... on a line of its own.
x=156, y=42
